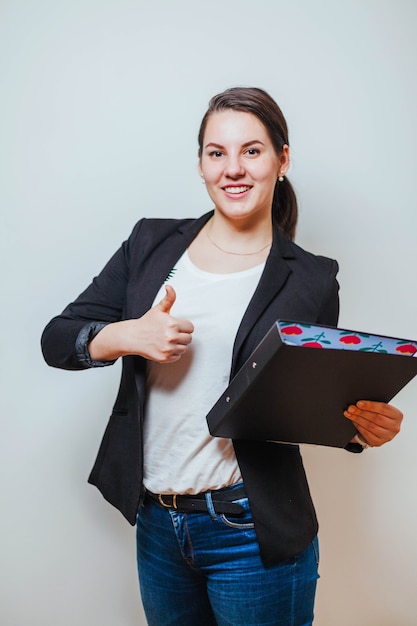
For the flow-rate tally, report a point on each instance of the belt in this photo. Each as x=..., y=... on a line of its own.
x=222, y=500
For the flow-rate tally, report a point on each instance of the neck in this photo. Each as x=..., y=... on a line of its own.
x=239, y=238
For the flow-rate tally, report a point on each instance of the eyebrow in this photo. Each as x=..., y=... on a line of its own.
x=244, y=145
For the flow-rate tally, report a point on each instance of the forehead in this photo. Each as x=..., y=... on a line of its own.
x=234, y=126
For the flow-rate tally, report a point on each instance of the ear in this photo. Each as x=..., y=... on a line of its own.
x=200, y=171
x=284, y=160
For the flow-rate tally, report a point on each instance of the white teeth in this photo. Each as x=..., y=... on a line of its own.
x=236, y=189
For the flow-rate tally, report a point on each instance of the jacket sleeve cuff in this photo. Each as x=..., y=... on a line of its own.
x=86, y=334
x=356, y=448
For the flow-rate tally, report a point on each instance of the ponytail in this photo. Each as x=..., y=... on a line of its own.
x=285, y=208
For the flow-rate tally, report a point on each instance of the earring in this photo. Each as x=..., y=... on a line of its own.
x=281, y=179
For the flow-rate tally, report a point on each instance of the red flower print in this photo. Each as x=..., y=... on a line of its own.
x=350, y=339
x=406, y=348
x=291, y=330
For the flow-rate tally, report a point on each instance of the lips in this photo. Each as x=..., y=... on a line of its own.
x=236, y=190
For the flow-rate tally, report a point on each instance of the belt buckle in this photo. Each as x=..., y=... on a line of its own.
x=173, y=505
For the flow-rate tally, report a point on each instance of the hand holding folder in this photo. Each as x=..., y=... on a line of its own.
x=301, y=378
x=376, y=422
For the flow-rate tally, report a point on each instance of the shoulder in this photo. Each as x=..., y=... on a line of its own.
x=315, y=274
x=312, y=279
x=158, y=227
x=302, y=260
x=154, y=230
x=149, y=234
x=314, y=262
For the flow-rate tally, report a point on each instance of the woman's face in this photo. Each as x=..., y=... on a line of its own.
x=239, y=165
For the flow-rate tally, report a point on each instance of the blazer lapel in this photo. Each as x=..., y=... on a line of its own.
x=273, y=278
x=160, y=262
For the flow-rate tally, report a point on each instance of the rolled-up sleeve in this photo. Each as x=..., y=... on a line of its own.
x=86, y=334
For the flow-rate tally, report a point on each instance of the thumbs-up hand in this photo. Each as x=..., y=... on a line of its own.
x=167, y=337
x=157, y=335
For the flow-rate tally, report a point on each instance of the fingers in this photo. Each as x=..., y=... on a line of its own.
x=377, y=422
x=177, y=338
x=172, y=335
x=172, y=345
x=168, y=300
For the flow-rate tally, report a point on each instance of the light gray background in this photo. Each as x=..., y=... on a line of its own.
x=100, y=103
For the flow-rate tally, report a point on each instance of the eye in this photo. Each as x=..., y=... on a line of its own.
x=253, y=151
x=216, y=154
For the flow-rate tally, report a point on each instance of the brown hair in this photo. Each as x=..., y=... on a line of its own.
x=259, y=103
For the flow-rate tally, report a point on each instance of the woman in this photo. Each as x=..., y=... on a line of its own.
x=226, y=530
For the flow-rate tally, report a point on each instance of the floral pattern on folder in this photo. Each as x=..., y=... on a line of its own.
x=314, y=336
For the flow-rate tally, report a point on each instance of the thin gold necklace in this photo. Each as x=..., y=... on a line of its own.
x=235, y=253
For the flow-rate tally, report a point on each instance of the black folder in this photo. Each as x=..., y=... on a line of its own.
x=301, y=377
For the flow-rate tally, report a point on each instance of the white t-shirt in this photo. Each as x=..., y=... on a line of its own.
x=180, y=454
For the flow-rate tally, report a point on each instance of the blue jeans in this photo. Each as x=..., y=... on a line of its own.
x=204, y=569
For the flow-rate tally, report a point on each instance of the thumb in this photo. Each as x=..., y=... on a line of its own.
x=168, y=300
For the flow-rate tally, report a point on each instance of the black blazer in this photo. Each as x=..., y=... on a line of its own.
x=295, y=285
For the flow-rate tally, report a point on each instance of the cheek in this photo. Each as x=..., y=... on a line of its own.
x=265, y=170
x=211, y=174
x=268, y=180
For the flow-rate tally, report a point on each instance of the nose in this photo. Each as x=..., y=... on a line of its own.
x=234, y=167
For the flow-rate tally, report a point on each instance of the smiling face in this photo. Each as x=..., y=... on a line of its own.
x=239, y=165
